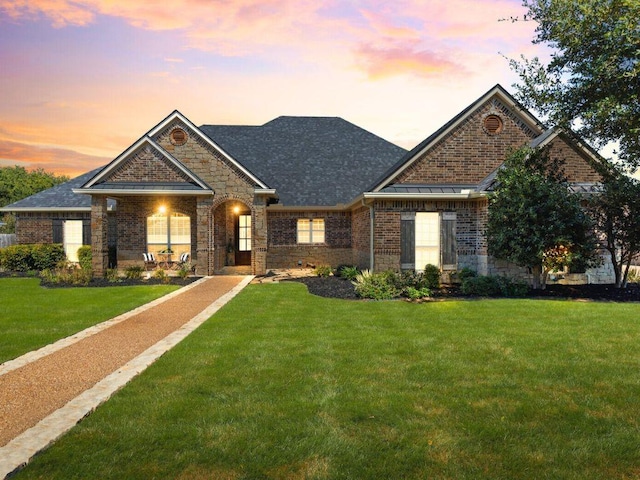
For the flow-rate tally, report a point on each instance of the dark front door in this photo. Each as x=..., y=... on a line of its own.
x=243, y=240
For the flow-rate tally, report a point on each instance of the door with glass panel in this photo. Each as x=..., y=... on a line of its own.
x=243, y=240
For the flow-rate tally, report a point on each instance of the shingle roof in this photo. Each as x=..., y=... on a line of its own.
x=58, y=197
x=310, y=161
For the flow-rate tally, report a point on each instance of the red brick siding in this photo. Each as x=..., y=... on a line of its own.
x=468, y=154
x=147, y=165
x=469, y=230
x=131, y=215
x=284, y=251
x=576, y=167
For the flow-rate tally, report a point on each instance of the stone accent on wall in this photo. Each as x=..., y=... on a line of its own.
x=468, y=153
x=99, y=235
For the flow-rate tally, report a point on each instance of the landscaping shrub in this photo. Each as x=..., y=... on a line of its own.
x=377, y=286
x=489, y=286
x=432, y=276
x=23, y=258
x=348, y=272
x=85, y=257
x=416, y=293
x=133, y=272
x=323, y=270
x=67, y=273
x=162, y=276
x=112, y=275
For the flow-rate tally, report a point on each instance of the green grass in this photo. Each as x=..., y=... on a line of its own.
x=32, y=316
x=281, y=384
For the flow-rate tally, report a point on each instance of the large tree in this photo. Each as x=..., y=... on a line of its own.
x=534, y=220
x=616, y=212
x=17, y=183
x=591, y=83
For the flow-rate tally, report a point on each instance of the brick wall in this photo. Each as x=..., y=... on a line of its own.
x=131, y=216
x=469, y=231
x=37, y=227
x=285, y=252
x=468, y=153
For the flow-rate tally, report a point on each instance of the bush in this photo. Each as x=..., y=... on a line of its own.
x=85, y=257
x=67, y=273
x=162, y=276
x=348, y=272
x=112, y=275
x=24, y=258
x=133, y=272
x=416, y=294
x=493, y=287
x=377, y=286
x=432, y=276
x=465, y=273
x=323, y=270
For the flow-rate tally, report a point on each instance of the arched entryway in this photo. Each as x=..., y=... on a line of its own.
x=233, y=234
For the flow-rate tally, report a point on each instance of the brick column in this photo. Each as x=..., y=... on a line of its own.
x=259, y=237
x=204, y=234
x=99, y=229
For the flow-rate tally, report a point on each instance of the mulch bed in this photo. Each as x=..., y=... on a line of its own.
x=336, y=287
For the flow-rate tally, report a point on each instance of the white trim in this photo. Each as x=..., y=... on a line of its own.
x=46, y=209
x=464, y=195
x=177, y=115
x=495, y=91
x=134, y=192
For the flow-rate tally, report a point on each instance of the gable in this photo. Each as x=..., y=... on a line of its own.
x=470, y=146
x=206, y=159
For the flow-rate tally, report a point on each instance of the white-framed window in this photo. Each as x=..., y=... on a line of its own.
x=171, y=231
x=72, y=238
x=311, y=230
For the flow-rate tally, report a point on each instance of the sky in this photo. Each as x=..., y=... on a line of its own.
x=82, y=80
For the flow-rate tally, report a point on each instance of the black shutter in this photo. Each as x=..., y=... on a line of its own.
x=448, y=245
x=57, y=230
x=86, y=232
x=408, y=241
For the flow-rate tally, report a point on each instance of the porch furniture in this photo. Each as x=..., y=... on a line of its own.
x=150, y=261
x=182, y=261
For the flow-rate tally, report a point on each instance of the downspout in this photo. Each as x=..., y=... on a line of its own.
x=372, y=218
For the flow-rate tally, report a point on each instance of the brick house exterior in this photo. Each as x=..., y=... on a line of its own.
x=299, y=191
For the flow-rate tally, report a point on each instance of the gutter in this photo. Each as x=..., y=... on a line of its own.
x=372, y=218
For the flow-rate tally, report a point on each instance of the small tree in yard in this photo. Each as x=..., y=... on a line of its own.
x=616, y=212
x=533, y=216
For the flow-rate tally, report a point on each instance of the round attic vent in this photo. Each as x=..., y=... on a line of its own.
x=492, y=124
x=178, y=136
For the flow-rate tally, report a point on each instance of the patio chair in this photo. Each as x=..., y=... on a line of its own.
x=182, y=261
x=150, y=261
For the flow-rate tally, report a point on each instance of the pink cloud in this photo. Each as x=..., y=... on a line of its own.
x=57, y=160
x=405, y=59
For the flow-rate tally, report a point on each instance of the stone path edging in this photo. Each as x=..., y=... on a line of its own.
x=29, y=357
x=17, y=453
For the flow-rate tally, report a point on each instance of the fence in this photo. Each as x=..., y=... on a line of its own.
x=7, y=239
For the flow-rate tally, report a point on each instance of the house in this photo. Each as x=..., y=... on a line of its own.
x=298, y=191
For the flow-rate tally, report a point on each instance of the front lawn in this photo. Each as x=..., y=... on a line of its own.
x=281, y=384
x=32, y=317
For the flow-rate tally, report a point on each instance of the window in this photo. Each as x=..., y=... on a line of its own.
x=428, y=238
x=72, y=238
x=311, y=230
x=169, y=231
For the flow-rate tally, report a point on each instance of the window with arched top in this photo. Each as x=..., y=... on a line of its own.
x=169, y=232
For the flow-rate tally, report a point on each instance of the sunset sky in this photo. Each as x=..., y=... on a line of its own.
x=82, y=80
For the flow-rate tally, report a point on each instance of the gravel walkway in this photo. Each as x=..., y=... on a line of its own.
x=31, y=392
